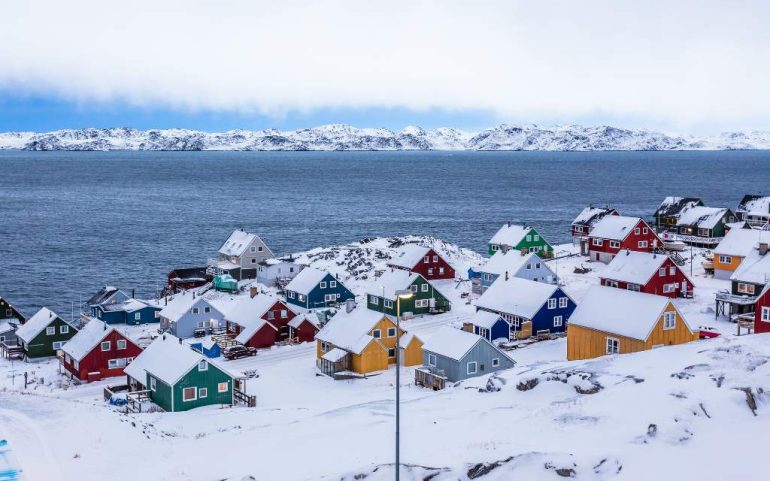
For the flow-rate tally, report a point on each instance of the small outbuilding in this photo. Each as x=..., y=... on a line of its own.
x=457, y=355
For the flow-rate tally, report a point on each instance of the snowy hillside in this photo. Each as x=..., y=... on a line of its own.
x=345, y=137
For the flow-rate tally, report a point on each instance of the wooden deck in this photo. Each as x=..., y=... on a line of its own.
x=430, y=378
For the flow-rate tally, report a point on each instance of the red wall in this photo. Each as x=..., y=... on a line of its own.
x=759, y=325
x=655, y=285
x=422, y=267
x=96, y=360
x=631, y=242
x=306, y=332
x=265, y=337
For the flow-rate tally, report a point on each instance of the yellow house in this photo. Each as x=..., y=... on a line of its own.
x=363, y=341
x=731, y=251
x=617, y=321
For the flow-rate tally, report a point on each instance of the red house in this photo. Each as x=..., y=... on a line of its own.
x=585, y=221
x=617, y=232
x=422, y=260
x=648, y=273
x=303, y=328
x=259, y=321
x=98, y=351
x=762, y=311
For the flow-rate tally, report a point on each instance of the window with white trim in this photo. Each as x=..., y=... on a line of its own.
x=121, y=344
x=726, y=259
x=203, y=392
x=642, y=244
x=421, y=303
x=222, y=387
x=495, y=362
x=562, y=302
x=376, y=333
x=765, y=316
x=440, y=270
x=284, y=313
x=637, y=230
x=435, y=259
x=669, y=320
x=430, y=271
x=189, y=394
x=322, y=284
x=206, y=309
x=203, y=366
x=58, y=345
x=64, y=329
x=431, y=359
x=615, y=244
x=558, y=321
x=597, y=242
x=391, y=353
x=669, y=288
x=391, y=332
x=472, y=367
x=157, y=314
x=662, y=272
x=387, y=303
x=50, y=331
x=153, y=384
x=552, y=303
x=613, y=345
x=116, y=363
x=332, y=284
x=672, y=271
x=426, y=260
x=195, y=310
x=424, y=287
x=253, y=249
x=413, y=288
x=106, y=345
x=745, y=288
x=290, y=294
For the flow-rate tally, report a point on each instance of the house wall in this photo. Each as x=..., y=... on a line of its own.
x=605, y=253
x=757, y=288
x=412, y=355
x=250, y=260
x=267, y=274
x=208, y=379
x=98, y=360
x=185, y=326
x=585, y=343
x=763, y=302
x=432, y=270
x=42, y=344
x=499, y=329
x=265, y=337
x=723, y=270
x=162, y=395
x=7, y=311
x=539, y=246
x=543, y=319
x=373, y=358
x=656, y=283
x=315, y=298
x=482, y=353
x=305, y=332
x=408, y=305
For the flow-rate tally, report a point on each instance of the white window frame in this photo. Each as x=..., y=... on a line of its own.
x=642, y=244
x=186, y=390
x=220, y=385
x=203, y=365
x=64, y=329
x=153, y=384
x=391, y=332
x=431, y=359
x=203, y=392
x=765, y=314
x=615, y=244
x=662, y=272
x=253, y=249
x=558, y=321
x=50, y=331
x=121, y=344
x=377, y=334
x=332, y=284
x=206, y=309
x=495, y=361
x=474, y=365
x=669, y=320
x=435, y=259
x=597, y=242
x=322, y=284
x=424, y=287
x=552, y=303
x=413, y=288
x=669, y=288
x=725, y=259
x=58, y=345
x=107, y=343
x=387, y=303
x=426, y=260
x=374, y=300
x=330, y=297
x=284, y=313
x=563, y=302
x=612, y=345
x=637, y=230
x=157, y=314
x=196, y=310
x=672, y=271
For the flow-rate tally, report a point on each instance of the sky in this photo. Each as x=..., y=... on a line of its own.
x=695, y=67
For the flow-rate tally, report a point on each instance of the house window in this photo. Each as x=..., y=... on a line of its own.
x=672, y=271
x=391, y=332
x=137, y=316
x=254, y=261
x=203, y=393
x=615, y=244
x=472, y=367
x=431, y=359
x=440, y=270
x=392, y=353
x=270, y=315
x=495, y=362
x=668, y=288
x=597, y=242
x=537, y=265
x=222, y=387
x=291, y=294
x=645, y=230
x=195, y=310
x=121, y=344
x=322, y=285
x=535, y=237
x=421, y=303
x=64, y=329
x=153, y=385
x=637, y=230
x=332, y=284
x=435, y=259
x=529, y=237
x=106, y=345
x=725, y=259
x=284, y=313
x=330, y=297
x=413, y=288
x=662, y=272
x=387, y=303
x=58, y=345
x=430, y=271
x=424, y=288
x=558, y=321
x=551, y=303
x=157, y=314
x=642, y=244
x=206, y=309
x=376, y=334
x=203, y=366
x=426, y=260
x=8, y=313
x=562, y=302
x=50, y=331
x=189, y=394
x=634, y=287
x=529, y=266
x=260, y=249
x=765, y=317
x=253, y=249
x=116, y=363
x=744, y=288
x=337, y=295
x=613, y=345
x=669, y=320
x=300, y=297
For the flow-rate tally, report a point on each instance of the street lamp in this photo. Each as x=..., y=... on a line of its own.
x=400, y=294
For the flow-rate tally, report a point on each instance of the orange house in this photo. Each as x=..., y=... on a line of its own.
x=617, y=321
x=731, y=251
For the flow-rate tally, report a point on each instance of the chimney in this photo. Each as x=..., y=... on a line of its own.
x=180, y=341
x=253, y=291
x=350, y=304
x=193, y=294
x=506, y=275
x=165, y=301
x=508, y=223
x=133, y=293
x=523, y=252
x=164, y=336
x=763, y=246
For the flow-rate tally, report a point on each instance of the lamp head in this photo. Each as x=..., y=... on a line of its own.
x=404, y=294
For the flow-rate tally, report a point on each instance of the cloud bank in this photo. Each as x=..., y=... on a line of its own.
x=678, y=63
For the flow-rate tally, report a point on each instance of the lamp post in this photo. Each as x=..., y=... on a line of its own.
x=400, y=294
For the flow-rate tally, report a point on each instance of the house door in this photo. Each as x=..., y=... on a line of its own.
x=684, y=287
x=597, y=256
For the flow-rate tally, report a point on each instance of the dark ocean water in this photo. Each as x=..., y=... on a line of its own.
x=73, y=221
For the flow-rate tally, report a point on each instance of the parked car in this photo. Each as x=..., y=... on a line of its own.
x=237, y=352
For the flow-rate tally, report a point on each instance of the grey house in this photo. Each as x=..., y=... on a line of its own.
x=240, y=255
x=457, y=355
x=514, y=264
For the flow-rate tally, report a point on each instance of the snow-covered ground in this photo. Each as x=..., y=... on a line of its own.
x=686, y=412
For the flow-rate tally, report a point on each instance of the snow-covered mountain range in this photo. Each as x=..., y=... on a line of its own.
x=346, y=137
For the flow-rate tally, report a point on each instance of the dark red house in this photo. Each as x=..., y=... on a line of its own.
x=303, y=328
x=762, y=311
x=647, y=272
x=422, y=260
x=614, y=233
x=183, y=278
x=98, y=351
x=260, y=321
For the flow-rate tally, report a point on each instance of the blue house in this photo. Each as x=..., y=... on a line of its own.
x=132, y=312
x=517, y=301
x=208, y=348
x=313, y=288
x=107, y=295
x=514, y=263
x=489, y=325
x=457, y=355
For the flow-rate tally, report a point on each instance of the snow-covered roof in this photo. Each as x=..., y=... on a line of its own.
x=409, y=255
x=615, y=227
x=238, y=241
x=451, y=342
x=484, y=319
x=754, y=268
x=247, y=310
x=350, y=330
x=510, y=261
x=592, y=215
x=186, y=300
x=335, y=355
x=130, y=305
x=36, y=324
x=520, y=297
x=634, y=267
x=86, y=339
x=755, y=205
x=740, y=242
x=8, y=325
x=510, y=234
x=392, y=280
x=307, y=279
x=701, y=216
x=300, y=318
x=104, y=295
x=620, y=311
x=671, y=205
x=406, y=338
x=252, y=328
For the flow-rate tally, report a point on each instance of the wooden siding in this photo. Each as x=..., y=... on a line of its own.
x=412, y=354
x=208, y=379
x=373, y=358
x=586, y=343
x=97, y=360
x=42, y=344
x=735, y=262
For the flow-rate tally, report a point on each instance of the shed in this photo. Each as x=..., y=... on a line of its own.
x=461, y=355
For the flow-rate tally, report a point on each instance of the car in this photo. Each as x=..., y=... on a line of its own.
x=237, y=352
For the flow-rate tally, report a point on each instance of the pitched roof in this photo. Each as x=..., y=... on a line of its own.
x=754, y=268
x=619, y=311
x=520, y=297
x=297, y=320
x=335, y=355
x=485, y=319
x=740, y=242
x=238, y=241
x=184, y=301
x=23, y=317
x=671, y=206
x=454, y=343
x=634, y=267
x=36, y=324
x=755, y=204
x=391, y=281
x=8, y=325
x=701, y=216
x=252, y=328
x=409, y=255
x=615, y=227
x=510, y=234
x=592, y=215
x=510, y=261
x=307, y=279
x=88, y=337
x=350, y=330
x=131, y=305
x=247, y=310
x=104, y=295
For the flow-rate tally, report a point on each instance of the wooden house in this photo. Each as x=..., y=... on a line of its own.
x=132, y=312
x=177, y=378
x=183, y=278
x=520, y=237
x=457, y=355
x=426, y=298
x=516, y=264
x=615, y=233
x=616, y=321
x=313, y=288
x=188, y=312
x=107, y=295
x=44, y=333
x=489, y=325
x=98, y=351
x=422, y=260
x=703, y=226
x=278, y=271
x=240, y=255
x=667, y=213
x=584, y=223
x=260, y=320
x=360, y=341
x=303, y=328
x=736, y=245
x=753, y=274
x=10, y=319
x=647, y=272
x=517, y=301
x=762, y=311
x=754, y=209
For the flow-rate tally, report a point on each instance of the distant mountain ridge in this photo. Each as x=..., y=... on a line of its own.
x=342, y=137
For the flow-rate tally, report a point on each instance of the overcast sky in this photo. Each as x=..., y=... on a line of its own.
x=676, y=66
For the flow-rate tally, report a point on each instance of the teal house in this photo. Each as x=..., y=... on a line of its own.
x=425, y=299
x=522, y=238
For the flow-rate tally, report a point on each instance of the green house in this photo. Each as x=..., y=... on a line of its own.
x=44, y=333
x=522, y=238
x=178, y=378
x=225, y=282
x=425, y=298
